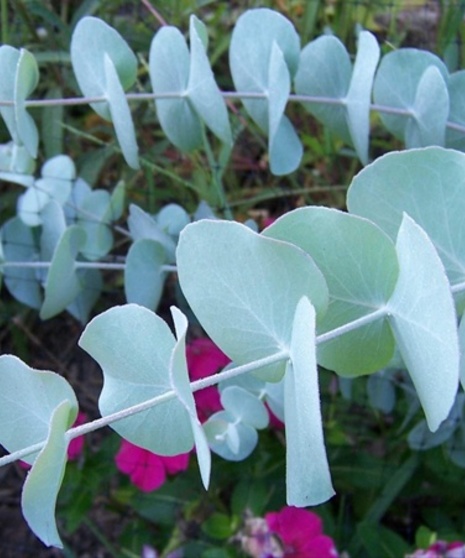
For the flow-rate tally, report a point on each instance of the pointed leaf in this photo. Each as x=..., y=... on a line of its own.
x=26, y=80
x=92, y=40
x=423, y=319
x=202, y=89
x=263, y=57
x=247, y=304
x=283, y=143
x=430, y=111
x=63, y=284
x=120, y=114
x=177, y=117
x=396, y=84
x=359, y=94
x=28, y=400
x=308, y=479
x=179, y=376
x=359, y=263
x=325, y=71
x=135, y=370
x=143, y=274
x=43, y=481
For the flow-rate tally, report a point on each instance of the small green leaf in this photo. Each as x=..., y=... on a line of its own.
x=202, y=89
x=178, y=118
x=43, y=481
x=308, y=479
x=243, y=305
x=91, y=288
x=244, y=406
x=137, y=369
x=359, y=94
x=28, y=399
x=422, y=316
x=230, y=439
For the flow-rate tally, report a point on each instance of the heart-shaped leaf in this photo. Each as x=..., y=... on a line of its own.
x=433, y=195
x=430, y=111
x=244, y=287
x=177, y=117
x=324, y=71
x=360, y=266
x=396, y=84
x=137, y=369
x=29, y=399
x=263, y=58
x=105, y=66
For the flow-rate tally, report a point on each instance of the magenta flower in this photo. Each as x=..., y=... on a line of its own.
x=301, y=533
x=147, y=470
x=204, y=359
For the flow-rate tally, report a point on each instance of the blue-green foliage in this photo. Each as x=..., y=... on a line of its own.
x=348, y=291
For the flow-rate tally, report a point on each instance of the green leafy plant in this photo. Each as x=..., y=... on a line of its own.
x=357, y=292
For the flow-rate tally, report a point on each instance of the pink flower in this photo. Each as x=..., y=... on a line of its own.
x=147, y=470
x=204, y=359
x=301, y=533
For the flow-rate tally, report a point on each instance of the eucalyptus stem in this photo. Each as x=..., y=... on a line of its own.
x=240, y=95
x=80, y=265
x=351, y=326
x=149, y=403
